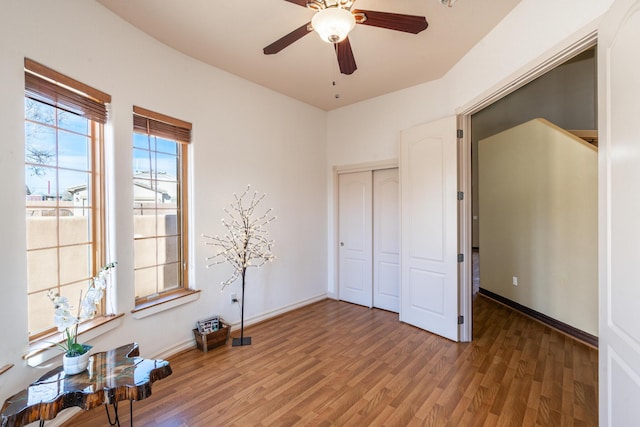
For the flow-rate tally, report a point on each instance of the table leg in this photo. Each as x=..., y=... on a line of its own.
x=116, y=418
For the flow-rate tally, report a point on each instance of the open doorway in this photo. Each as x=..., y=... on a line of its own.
x=565, y=98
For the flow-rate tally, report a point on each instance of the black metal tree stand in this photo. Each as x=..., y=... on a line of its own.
x=242, y=340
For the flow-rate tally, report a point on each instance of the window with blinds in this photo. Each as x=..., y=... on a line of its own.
x=64, y=195
x=160, y=204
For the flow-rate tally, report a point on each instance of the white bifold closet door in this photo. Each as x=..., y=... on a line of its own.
x=386, y=240
x=355, y=275
x=369, y=251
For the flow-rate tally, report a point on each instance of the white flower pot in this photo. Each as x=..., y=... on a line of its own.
x=75, y=364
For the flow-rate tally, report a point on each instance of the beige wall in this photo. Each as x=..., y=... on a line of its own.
x=74, y=261
x=538, y=221
x=573, y=107
x=42, y=232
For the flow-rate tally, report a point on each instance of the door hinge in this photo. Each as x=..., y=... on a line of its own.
x=460, y=320
x=460, y=195
x=459, y=133
x=460, y=257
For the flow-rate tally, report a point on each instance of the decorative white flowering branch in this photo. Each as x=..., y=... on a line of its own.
x=246, y=242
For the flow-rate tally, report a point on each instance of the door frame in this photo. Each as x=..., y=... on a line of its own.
x=335, y=239
x=579, y=42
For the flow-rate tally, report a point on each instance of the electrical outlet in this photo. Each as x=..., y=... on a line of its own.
x=234, y=298
x=515, y=281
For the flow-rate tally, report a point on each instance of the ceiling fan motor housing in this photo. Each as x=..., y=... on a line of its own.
x=324, y=4
x=333, y=24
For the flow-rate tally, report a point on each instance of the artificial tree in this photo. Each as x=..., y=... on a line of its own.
x=245, y=244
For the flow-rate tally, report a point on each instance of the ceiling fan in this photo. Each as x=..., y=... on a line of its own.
x=333, y=21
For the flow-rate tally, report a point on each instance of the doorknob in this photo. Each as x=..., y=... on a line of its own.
x=341, y=243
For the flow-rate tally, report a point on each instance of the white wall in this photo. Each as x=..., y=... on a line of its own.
x=529, y=35
x=242, y=133
x=539, y=221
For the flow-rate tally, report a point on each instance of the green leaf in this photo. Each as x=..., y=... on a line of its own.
x=76, y=349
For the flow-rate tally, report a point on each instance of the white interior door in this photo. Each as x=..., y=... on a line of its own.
x=355, y=230
x=386, y=239
x=429, y=227
x=619, y=215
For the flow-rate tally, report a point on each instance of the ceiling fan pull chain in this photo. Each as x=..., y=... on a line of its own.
x=336, y=76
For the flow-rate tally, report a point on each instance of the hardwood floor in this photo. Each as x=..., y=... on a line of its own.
x=334, y=363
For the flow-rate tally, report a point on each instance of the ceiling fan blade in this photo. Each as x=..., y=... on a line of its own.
x=345, y=57
x=393, y=21
x=285, y=41
x=302, y=3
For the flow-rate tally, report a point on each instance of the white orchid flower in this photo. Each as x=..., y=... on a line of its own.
x=63, y=318
x=94, y=295
x=99, y=282
x=67, y=322
x=61, y=301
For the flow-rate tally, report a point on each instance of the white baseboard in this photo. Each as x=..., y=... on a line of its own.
x=191, y=342
x=273, y=313
x=175, y=349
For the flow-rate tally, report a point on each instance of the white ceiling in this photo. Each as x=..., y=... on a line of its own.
x=230, y=35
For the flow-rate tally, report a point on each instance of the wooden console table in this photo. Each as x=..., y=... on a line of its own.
x=112, y=376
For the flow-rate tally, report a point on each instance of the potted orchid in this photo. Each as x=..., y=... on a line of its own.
x=68, y=323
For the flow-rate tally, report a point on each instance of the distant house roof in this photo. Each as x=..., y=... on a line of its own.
x=143, y=190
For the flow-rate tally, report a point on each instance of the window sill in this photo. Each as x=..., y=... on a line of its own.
x=166, y=302
x=43, y=350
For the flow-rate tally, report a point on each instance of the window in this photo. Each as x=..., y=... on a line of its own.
x=64, y=190
x=160, y=204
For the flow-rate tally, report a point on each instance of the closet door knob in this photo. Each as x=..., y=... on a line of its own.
x=341, y=243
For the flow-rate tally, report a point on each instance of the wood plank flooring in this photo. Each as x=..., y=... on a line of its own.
x=334, y=363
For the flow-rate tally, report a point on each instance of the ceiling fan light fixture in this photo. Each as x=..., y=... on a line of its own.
x=333, y=24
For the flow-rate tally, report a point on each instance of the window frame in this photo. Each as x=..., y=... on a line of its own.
x=64, y=94
x=179, y=131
